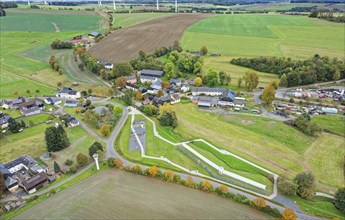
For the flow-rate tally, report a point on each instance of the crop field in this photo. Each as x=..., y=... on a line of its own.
x=125, y=44
x=120, y=195
x=125, y=20
x=266, y=35
x=334, y=124
x=42, y=22
x=273, y=6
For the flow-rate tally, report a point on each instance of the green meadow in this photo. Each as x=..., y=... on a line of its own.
x=266, y=35
x=125, y=20
x=28, y=22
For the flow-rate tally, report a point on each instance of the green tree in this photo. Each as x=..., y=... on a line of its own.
x=57, y=168
x=118, y=110
x=197, y=67
x=212, y=78
x=197, y=81
x=203, y=50
x=251, y=80
x=122, y=69
x=82, y=159
x=283, y=81
x=127, y=98
x=167, y=116
x=336, y=76
x=286, y=186
x=169, y=69
x=110, y=162
x=138, y=96
x=89, y=91
x=305, y=185
x=268, y=95
x=176, y=46
x=56, y=138
x=340, y=199
x=13, y=125
x=239, y=81
x=147, y=110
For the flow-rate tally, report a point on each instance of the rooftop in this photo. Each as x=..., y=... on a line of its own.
x=157, y=73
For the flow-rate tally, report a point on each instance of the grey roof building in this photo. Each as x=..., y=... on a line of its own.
x=153, y=73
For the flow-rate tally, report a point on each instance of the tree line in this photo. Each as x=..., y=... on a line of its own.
x=328, y=15
x=297, y=72
x=8, y=4
x=58, y=44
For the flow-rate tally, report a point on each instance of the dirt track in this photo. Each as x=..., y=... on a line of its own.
x=125, y=44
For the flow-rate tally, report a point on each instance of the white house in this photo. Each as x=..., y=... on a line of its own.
x=144, y=79
x=68, y=93
x=175, y=98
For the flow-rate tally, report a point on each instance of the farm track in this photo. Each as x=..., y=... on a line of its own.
x=57, y=12
x=125, y=44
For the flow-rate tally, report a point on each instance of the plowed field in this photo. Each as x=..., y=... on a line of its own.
x=125, y=44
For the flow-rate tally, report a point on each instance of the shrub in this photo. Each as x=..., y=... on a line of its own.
x=340, y=199
x=136, y=169
x=73, y=169
x=169, y=175
x=153, y=171
x=68, y=162
x=222, y=190
x=110, y=162
x=205, y=185
x=289, y=214
x=118, y=162
x=82, y=159
x=259, y=202
x=286, y=186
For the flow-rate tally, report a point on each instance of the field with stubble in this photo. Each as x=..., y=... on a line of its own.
x=125, y=44
x=114, y=194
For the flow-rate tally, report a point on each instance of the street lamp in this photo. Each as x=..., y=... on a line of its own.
x=95, y=156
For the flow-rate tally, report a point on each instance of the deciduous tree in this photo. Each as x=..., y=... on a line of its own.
x=203, y=50
x=121, y=82
x=286, y=186
x=251, y=80
x=105, y=130
x=138, y=96
x=268, y=95
x=305, y=185
x=239, y=81
x=289, y=214
x=283, y=81
x=189, y=181
x=197, y=81
x=205, y=185
x=169, y=69
x=153, y=171
x=82, y=159
x=160, y=93
x=223, y=189
x=169, y=175
x=118, y=162
x=259, y=202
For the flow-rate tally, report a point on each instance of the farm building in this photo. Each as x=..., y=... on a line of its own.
x=68, y=93
x=94, y=34
x=132, y=87
x=152, y=73
x=35, y=183
x=228, y=96
x=32, y=107
x=207, y=101
x=144, y=79
x=208, y=91
x=71, y=103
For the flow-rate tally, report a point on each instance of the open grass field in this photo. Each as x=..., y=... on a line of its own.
x=125, y=20
x=42, y=22
x=30, y=141
x=325, y=158
x=125, y=44
x=332, y=123
x=266, y=35
x=221, y=63
x=273, y=6
x=120, y=195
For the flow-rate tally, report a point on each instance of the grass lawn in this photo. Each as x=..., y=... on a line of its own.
x=320, y=206
x=43, y=22
x=13, y=112
x=266, y=35
x=334, y=124
x=125, y=20
x=325, y=158
x=35, y=119
x=30, y=141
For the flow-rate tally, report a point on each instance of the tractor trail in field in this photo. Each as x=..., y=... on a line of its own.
x=57, y=29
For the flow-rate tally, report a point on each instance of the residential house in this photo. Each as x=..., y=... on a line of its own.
x=68, y=93
x=146, y=101
x=19, y=163
x=208, y=91
x=151, y=73
x=185, y=88
x=35, y=183
x=11, y=184
x=157, y=85
x=176, y=82
x=71, y=103
x=132, y=79
x=132, y=87
x=16, y=102
x=175, y=98
x=72, y=121
x=31, y=107
x=5, y=172
x=4, y=104
x=52, y=101
x=161, y=100
x=4, y=121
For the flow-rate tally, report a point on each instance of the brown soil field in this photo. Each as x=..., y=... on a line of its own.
x=125, y=44
x=115, y=194
x=57, y=12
